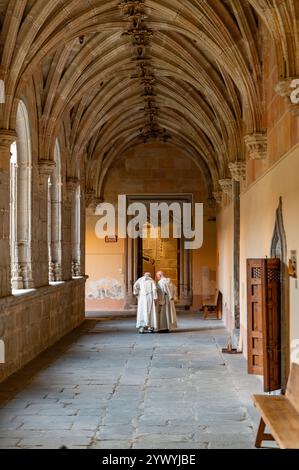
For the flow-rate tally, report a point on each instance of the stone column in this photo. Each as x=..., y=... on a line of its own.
x=55, y=209
x=82, y=231
x=236, y=202
x=6, y=139
x=238, y=173
x=41, y=261
x=66, y=234
x=72, y=185
x=24, y=225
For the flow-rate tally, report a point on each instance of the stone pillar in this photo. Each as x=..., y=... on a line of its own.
x=24, y=224
x=72, y=185
x=6, y=139
x=45, y=169
x=55, y=213
x=82, y=231
x=238, y=173
x=66, y=234
x=236, y=202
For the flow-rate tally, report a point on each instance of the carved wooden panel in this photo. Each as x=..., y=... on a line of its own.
x=264, y=322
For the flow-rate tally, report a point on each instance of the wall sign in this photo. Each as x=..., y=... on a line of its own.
x=111, y=239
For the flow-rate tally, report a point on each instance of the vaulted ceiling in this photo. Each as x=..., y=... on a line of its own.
x=115, y=73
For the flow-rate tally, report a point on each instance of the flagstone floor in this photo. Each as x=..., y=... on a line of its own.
x=105, y=386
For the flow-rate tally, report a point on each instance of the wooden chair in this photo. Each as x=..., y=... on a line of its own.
x=213, y=311
x=280, y=414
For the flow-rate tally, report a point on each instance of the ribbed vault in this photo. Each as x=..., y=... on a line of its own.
x=203, y=57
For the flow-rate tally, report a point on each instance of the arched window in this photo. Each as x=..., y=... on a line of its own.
x=20, y=203
x=54, y=219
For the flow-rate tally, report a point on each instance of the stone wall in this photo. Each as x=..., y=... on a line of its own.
x=150, y=169
x=35, y=320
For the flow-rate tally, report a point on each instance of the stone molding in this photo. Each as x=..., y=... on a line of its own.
x=257, y=145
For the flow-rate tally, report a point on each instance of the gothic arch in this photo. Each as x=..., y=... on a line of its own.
x=21, y=203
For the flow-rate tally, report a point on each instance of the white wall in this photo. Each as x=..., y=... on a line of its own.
x=258, y=214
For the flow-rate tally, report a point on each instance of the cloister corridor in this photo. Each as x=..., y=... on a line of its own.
x=105, y=387
x=149, y=162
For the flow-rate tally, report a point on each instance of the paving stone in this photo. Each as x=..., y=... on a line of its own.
x=119, y=432
x=114, y=444
x=121, y=390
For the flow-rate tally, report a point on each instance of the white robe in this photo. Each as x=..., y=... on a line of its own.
x=167, y=310
x=146, y=291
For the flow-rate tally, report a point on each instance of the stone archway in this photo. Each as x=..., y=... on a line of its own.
x=279, y=250
x=132, y=255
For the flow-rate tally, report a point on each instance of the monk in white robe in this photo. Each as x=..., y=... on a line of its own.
x=166, y=301
x=145, y=289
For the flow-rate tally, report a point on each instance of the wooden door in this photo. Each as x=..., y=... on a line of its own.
x=264, y=321
x=255, y=299
x=272, y=327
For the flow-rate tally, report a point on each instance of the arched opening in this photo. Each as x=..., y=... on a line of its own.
x=21, y=203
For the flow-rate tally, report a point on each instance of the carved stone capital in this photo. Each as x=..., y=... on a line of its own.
x=72, y=184
x=257, y=145
x=289, y=89
x=227, y=186
x=7, y=137
x=89, y=196
x=218, y=195
x=46, y=167
x=45, y=170
x=238, y=170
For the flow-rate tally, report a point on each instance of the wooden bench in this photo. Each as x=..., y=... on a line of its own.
x=280, y=414
x=214, y=311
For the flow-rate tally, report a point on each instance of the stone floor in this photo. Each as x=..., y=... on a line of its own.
x=104, y=386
